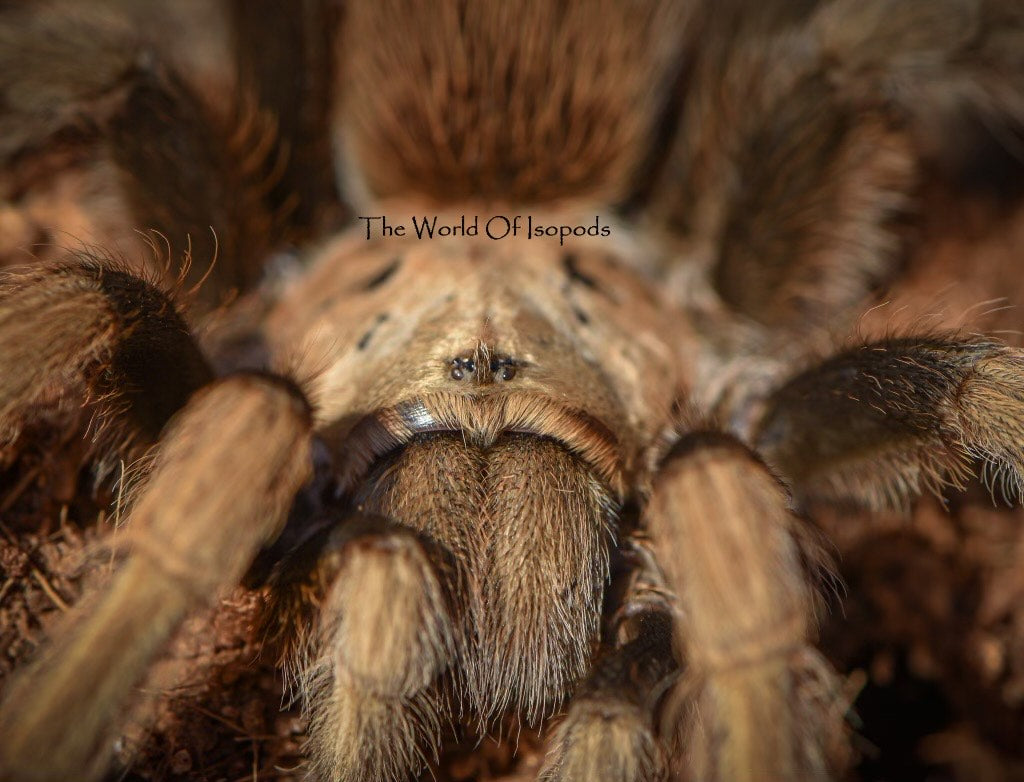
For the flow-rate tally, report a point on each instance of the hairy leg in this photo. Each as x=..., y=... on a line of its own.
x=609, y=733
x=126, y=144
x=806, y=136
x=92, y=331
x=286, y=58
x=725, y=536
x=807, y=129
x=192, y=533
x=397, y=571
x=882, y=422
x=385, y=635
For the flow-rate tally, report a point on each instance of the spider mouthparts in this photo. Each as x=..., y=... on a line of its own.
x=481, y=420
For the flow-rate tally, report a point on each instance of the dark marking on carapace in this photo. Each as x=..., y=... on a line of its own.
x=570, y=262
x=382, y=276
x=364, y=341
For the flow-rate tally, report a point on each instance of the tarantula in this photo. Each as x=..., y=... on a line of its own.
x=558, y=453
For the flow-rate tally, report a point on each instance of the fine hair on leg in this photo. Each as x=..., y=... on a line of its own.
x=190, y=535
x=724, y=534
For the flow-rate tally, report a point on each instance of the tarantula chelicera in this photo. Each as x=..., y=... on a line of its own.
x=539, y=419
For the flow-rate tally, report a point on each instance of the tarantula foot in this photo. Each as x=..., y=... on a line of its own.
x=605, y=740
x=357, y=735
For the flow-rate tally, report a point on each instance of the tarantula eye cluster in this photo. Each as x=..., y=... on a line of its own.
x=501, y=368
x=461, y=367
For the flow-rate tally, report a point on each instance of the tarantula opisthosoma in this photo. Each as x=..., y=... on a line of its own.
x=485, y=430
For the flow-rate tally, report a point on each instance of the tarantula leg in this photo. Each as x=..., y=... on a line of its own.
x=881, y=422
x=358, y=735
x=100, y=331
x=608, y=733
x=808, y=129
x=386, y=634
x=285, y=56
x=725, y=536
x=221, y=487
x=163, y=155
x=391, y=629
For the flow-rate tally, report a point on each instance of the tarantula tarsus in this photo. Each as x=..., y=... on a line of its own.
x=516, y=473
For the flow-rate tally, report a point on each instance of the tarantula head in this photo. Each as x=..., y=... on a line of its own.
x=496, y=397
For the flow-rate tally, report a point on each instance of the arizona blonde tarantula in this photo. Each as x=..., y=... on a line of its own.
x=498, y=472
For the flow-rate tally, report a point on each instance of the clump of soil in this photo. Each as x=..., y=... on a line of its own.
x=931, y=631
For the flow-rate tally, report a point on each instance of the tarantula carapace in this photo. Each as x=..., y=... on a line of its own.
x=561, y=454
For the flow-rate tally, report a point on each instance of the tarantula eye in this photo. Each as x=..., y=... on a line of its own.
x=462, y=366
x=508, y=372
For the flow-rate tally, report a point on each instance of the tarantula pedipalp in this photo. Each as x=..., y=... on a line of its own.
x=487, y=427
